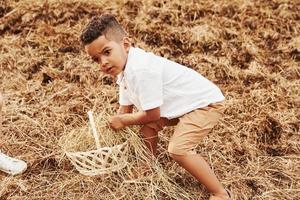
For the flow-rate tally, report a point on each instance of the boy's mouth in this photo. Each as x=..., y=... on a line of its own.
x=109, y=70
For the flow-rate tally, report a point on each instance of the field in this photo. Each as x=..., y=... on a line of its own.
x=250, y=49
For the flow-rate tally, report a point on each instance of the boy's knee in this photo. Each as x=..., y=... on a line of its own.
x=154, y=126
x=160, y=124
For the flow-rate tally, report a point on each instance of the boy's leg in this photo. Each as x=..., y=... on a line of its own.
x=150, y=136
x=191, y=129
x=150, y=133
x=198, y=167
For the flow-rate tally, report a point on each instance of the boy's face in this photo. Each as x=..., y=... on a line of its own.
x=111, y=55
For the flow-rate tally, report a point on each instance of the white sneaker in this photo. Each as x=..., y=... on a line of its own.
x=12, y=165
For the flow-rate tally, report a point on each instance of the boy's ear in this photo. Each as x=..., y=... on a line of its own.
x=127, y=43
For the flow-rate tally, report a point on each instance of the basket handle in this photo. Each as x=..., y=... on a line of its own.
x=95, y=133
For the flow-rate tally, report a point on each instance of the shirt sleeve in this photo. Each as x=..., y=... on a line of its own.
x=123, y=96
x=149, y=89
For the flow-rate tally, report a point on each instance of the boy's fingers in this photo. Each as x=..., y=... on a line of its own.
x=108, y=123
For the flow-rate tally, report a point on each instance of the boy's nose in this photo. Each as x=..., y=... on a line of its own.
x=103, y=65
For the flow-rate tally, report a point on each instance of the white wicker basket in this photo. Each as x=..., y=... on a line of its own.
x=103, y=160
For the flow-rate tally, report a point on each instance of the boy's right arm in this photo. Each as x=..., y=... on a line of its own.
x=125, y=109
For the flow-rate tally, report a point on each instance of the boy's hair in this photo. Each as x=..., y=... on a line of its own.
x=106, y=25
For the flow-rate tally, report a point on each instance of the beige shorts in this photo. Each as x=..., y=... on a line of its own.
x=190, y=128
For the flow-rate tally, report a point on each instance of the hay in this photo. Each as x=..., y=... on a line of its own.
x=249, y=48
x=82, y=139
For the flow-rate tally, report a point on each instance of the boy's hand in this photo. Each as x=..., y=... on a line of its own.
x=115, y=122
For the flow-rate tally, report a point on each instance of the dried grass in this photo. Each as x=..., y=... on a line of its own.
x=249, y=48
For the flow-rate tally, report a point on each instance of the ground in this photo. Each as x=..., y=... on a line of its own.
x=250, y=49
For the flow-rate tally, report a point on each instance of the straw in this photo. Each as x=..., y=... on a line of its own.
x=250, y=49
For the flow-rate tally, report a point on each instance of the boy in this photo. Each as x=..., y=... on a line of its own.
x=165, y=93
x=8, y=164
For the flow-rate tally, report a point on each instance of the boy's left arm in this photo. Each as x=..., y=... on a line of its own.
x=139, y=118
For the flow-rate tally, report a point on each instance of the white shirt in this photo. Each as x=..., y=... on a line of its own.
x=151, y=81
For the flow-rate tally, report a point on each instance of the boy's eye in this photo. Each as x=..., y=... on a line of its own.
x=106, y=52
x=95, y=59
